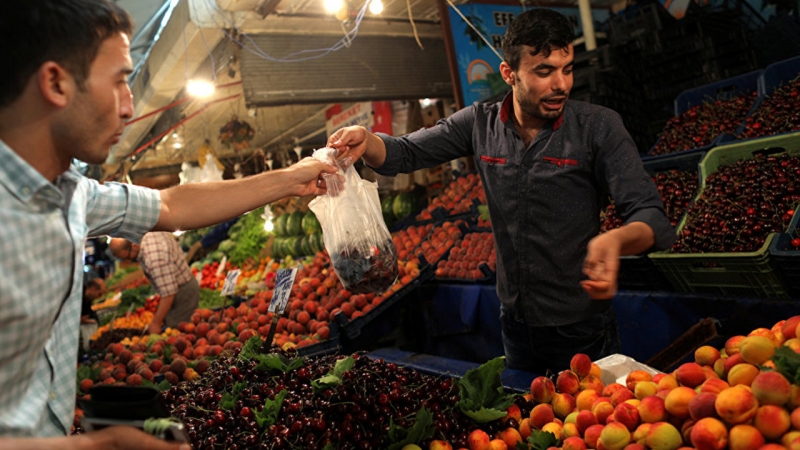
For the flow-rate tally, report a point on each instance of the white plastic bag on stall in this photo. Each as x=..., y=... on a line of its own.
x=355, y=235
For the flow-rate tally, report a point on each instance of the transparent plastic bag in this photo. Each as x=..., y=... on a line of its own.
x=355, y=235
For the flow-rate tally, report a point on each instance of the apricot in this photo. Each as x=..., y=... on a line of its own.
x=652, y=409
x=756, y=350
x=771, y=388
x=568, y=382
x=635, y=377
x=663, y=436
x=706, y=355
x=772, y=421
x=742, y=374
x=677, y=401
x=736, y=405
x=745, y=437
x=615, y=436
x=542, y=389
x=709, y=434
x=581, y=364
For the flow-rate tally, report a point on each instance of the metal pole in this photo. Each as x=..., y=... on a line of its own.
x=588, y=24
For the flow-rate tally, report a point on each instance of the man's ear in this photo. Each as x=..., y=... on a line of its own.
x=507, y=73
x=55, y=83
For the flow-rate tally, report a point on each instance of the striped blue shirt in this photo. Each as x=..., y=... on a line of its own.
x=43, y=227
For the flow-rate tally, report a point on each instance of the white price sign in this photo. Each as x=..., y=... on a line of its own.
x=230, y=282
x=284, y=281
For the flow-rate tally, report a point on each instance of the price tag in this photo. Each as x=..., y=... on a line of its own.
x=230, y=282
x=117, y=297
x=283, y=289
x=222, y=265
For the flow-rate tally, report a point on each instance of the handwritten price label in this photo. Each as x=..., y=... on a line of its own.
x=230, y=282
x=284, y=281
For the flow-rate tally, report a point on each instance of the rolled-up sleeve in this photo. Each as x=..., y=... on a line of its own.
x=122, y=210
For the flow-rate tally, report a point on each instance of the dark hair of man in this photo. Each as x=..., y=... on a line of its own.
x=544, y=30
x=93, y=284
x=68, y=32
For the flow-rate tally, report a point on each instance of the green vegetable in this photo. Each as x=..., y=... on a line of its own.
x=421, y=430
x=210, y=299
x=483, y=397
x=119, y=274
x=251, y=238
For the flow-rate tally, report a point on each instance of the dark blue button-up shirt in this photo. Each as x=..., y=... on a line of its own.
x=545, y=199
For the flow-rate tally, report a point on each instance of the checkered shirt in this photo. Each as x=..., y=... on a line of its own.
x=44, y=226
x=164, y=263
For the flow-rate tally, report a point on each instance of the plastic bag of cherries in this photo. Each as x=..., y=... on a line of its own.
x=355, y=235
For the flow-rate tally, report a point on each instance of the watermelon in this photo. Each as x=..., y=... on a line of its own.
x=403, y=205
x=305, y=245
x=296, y=247
x=317, y=244
x=310, y=223
x=386, y=208
x=294, y=224
x=280, y=224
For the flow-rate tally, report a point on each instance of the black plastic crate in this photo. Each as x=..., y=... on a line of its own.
x=786, y=258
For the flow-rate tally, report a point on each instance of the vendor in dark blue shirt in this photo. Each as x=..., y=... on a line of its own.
x=548, y=165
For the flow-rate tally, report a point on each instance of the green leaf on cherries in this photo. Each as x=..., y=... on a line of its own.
x=228, y=400
x=421, y=430
x=787, y=361
x=334, y=377
x=269, y=415
x=329, y=446
x=483, y=397
x=541, y=440
x=270, y=361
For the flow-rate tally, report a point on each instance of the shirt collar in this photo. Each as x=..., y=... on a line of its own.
x=19, y=177
x=507, y=110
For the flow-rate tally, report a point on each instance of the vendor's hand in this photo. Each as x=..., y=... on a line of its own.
x=154, y=328
x=85, y=320
x=350, y=143
x=307, y=176
x=602, y=266
x=124, y=438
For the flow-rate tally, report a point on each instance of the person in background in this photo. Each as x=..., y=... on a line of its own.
x=92, y=290
x=547, y=164
x=66, y=97
x=163, y=263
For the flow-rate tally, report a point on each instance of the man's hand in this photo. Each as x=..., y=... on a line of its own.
x=124, y=438
x=154, y=327
x=602, y=266
x=350, y=142
x=307, y=176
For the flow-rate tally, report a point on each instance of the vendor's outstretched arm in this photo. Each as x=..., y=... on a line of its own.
x=602, y=256
x=357, y=142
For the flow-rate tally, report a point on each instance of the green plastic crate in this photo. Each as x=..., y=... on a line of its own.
x=745, y=274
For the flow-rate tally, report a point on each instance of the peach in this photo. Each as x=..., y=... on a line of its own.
x=592, y=435
x=584, y=399
x=478, y=440
x=713, y=386
x=744, y=437
x=634, y=446
x=615, y=436
x=686, y=429
x=732, y=361
x=627, y=415
x=645, y=389
x=702, y=406
x=623, y=395
x=497, y=444
x=512, y=412
x=511, y=436
x=569, y=430
x=563, y=404
x=771, y=388
x=690, y=375
x=791, y=440
x=525, y=428
x=772, y=421
x=572, y=417
x=667, y=382
x=706, y=355
x=634, y=401
x=756, y=350
x=732, y=345
x=596, y=371
x=542, y=389
x=771, y=446
x=663, y=436
x=794, y=398
x=573, y=443
x=794, y=416
x=677, y=401
x=555, y=428
x=709, y=372
x=439, y=444
x=411, y=447
x=769, y=334
x=640, y=434
x=652, y=409
x=793, y=343
x=541, y=414
x=584, y=420
x=591, y=382
x=709, y=434
x=609, y=389
x=581, y=364
x=736, y=405
x=568, y=382
x=602, y=410
x=789, y=328
x=719, y=366
x=635, y=377
x=743, y=374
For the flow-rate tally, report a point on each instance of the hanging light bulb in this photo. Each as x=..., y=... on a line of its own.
x=200, y=88
x=376, y=7
x=333, y=5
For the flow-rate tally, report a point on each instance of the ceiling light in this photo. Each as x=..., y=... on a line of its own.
x=333, y=5
x=425, y=102
x=376, y=7
x=200, y=88
x=175, y=136
x=269, y=226
x=176, y=145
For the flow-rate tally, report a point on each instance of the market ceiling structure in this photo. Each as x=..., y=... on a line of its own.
x=252, y=50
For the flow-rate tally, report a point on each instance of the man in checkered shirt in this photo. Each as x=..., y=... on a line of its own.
x=164, y=264
x=64, y=95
